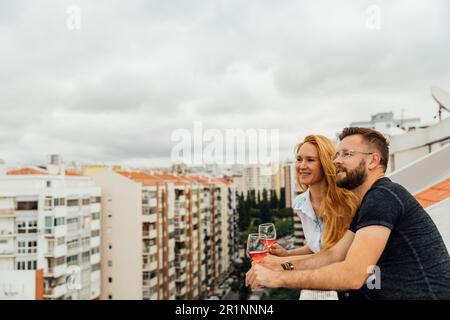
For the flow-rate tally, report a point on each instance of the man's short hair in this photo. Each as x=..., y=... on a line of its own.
x=373, y=138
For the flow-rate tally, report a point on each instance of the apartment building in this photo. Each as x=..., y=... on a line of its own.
x=49, y=227
x=171, y=231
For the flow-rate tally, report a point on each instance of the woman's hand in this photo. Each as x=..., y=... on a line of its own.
x=278, y=250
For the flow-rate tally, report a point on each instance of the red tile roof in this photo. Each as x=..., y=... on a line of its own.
x=434, y=194
x=25, y=171
x=73, y=174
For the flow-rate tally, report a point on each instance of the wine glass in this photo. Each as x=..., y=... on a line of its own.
x=268, y=230
x=256, y=246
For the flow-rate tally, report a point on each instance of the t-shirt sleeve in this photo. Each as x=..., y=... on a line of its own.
x=381, y=206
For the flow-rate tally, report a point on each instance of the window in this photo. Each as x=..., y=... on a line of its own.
x=109, y=263
x=60, y=241
x=59, y=261
x=60, y=221
x=109, y=279
x=109, y=296
x=110, y=246
x=49, y=184
x=95, y=233
x=72, y=260
x=27, y=226
x=86, y=202
x=32, y=265
x=27, y=205
x=72, y=220
x=32, y=247
x=85, y=257
x=32, y=226
x=21, y=247
x=109, y=215
x=96, y=216
x=85, y=241
x=21, y=265
x=48, y=222
x=59, y=202
x=48, y=202
x=22, y=227
x=95, y=250
x=96, y=199
x=73, y=202
x=95, y=267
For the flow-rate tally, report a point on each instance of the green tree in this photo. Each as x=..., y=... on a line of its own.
x=284, y=227
x=274, y=200
x=244, y=213
x=282, y=198
x=265, y=208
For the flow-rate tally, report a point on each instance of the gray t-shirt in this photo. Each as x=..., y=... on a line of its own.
x=415, y=263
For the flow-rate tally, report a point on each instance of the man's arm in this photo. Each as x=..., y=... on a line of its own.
x=364, y=252
x=312, y=261
x=327, y=256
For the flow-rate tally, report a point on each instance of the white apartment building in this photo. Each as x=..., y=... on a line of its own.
x=49, y=225
x=165, y=236
x=260, y=177
x=139, y=236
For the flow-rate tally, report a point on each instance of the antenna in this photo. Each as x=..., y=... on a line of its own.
x=443, y=100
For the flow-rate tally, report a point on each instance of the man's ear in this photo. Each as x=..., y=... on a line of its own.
x=375, y=159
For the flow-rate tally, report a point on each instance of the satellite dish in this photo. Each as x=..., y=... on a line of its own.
x=442, y=98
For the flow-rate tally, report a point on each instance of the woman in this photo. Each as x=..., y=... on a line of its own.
x=324, y=209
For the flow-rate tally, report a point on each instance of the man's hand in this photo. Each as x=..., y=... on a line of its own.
x=278, y=250
x=272, y=265
x=259, y=276
x=272, y=258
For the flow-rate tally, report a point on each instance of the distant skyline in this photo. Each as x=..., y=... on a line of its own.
x=115, y=90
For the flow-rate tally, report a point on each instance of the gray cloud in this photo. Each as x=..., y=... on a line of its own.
x=115, y=90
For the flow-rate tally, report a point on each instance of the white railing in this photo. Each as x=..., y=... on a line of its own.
x=425, y=171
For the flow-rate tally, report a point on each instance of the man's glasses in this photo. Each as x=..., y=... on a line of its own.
x=347, y=154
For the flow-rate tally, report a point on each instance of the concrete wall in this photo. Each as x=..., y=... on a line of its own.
x=122, y=229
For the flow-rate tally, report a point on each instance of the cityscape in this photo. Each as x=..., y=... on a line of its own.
x=107, y=232
x=144, y=143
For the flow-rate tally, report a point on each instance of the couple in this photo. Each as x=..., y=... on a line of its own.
x=377, y=229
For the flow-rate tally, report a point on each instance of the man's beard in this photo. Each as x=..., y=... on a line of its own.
x=353, y=178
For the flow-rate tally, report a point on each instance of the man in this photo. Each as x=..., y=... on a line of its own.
x=391, y=235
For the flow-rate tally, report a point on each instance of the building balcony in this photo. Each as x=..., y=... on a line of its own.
x=57, y=251
x=5, y=234
x=95, y=225
x=7, y=253
x=180, y=237
x=95, y=258
x=180, y=291
x=150, y=282
x=60, y=231
x=151, y=234
x=57, y=271
x=181, y=278
x=7, y=213
x=180, y=264
x=150, y=266
x=56, y=292
x=95, y=277
x=149, y=217
x=95, y=242
x=149, y=249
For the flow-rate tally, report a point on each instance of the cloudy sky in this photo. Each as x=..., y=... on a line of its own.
x=115, y=90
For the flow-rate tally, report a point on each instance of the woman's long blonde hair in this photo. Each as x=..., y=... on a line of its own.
x=339, y=205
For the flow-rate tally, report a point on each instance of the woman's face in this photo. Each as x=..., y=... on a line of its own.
x=308, y=165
